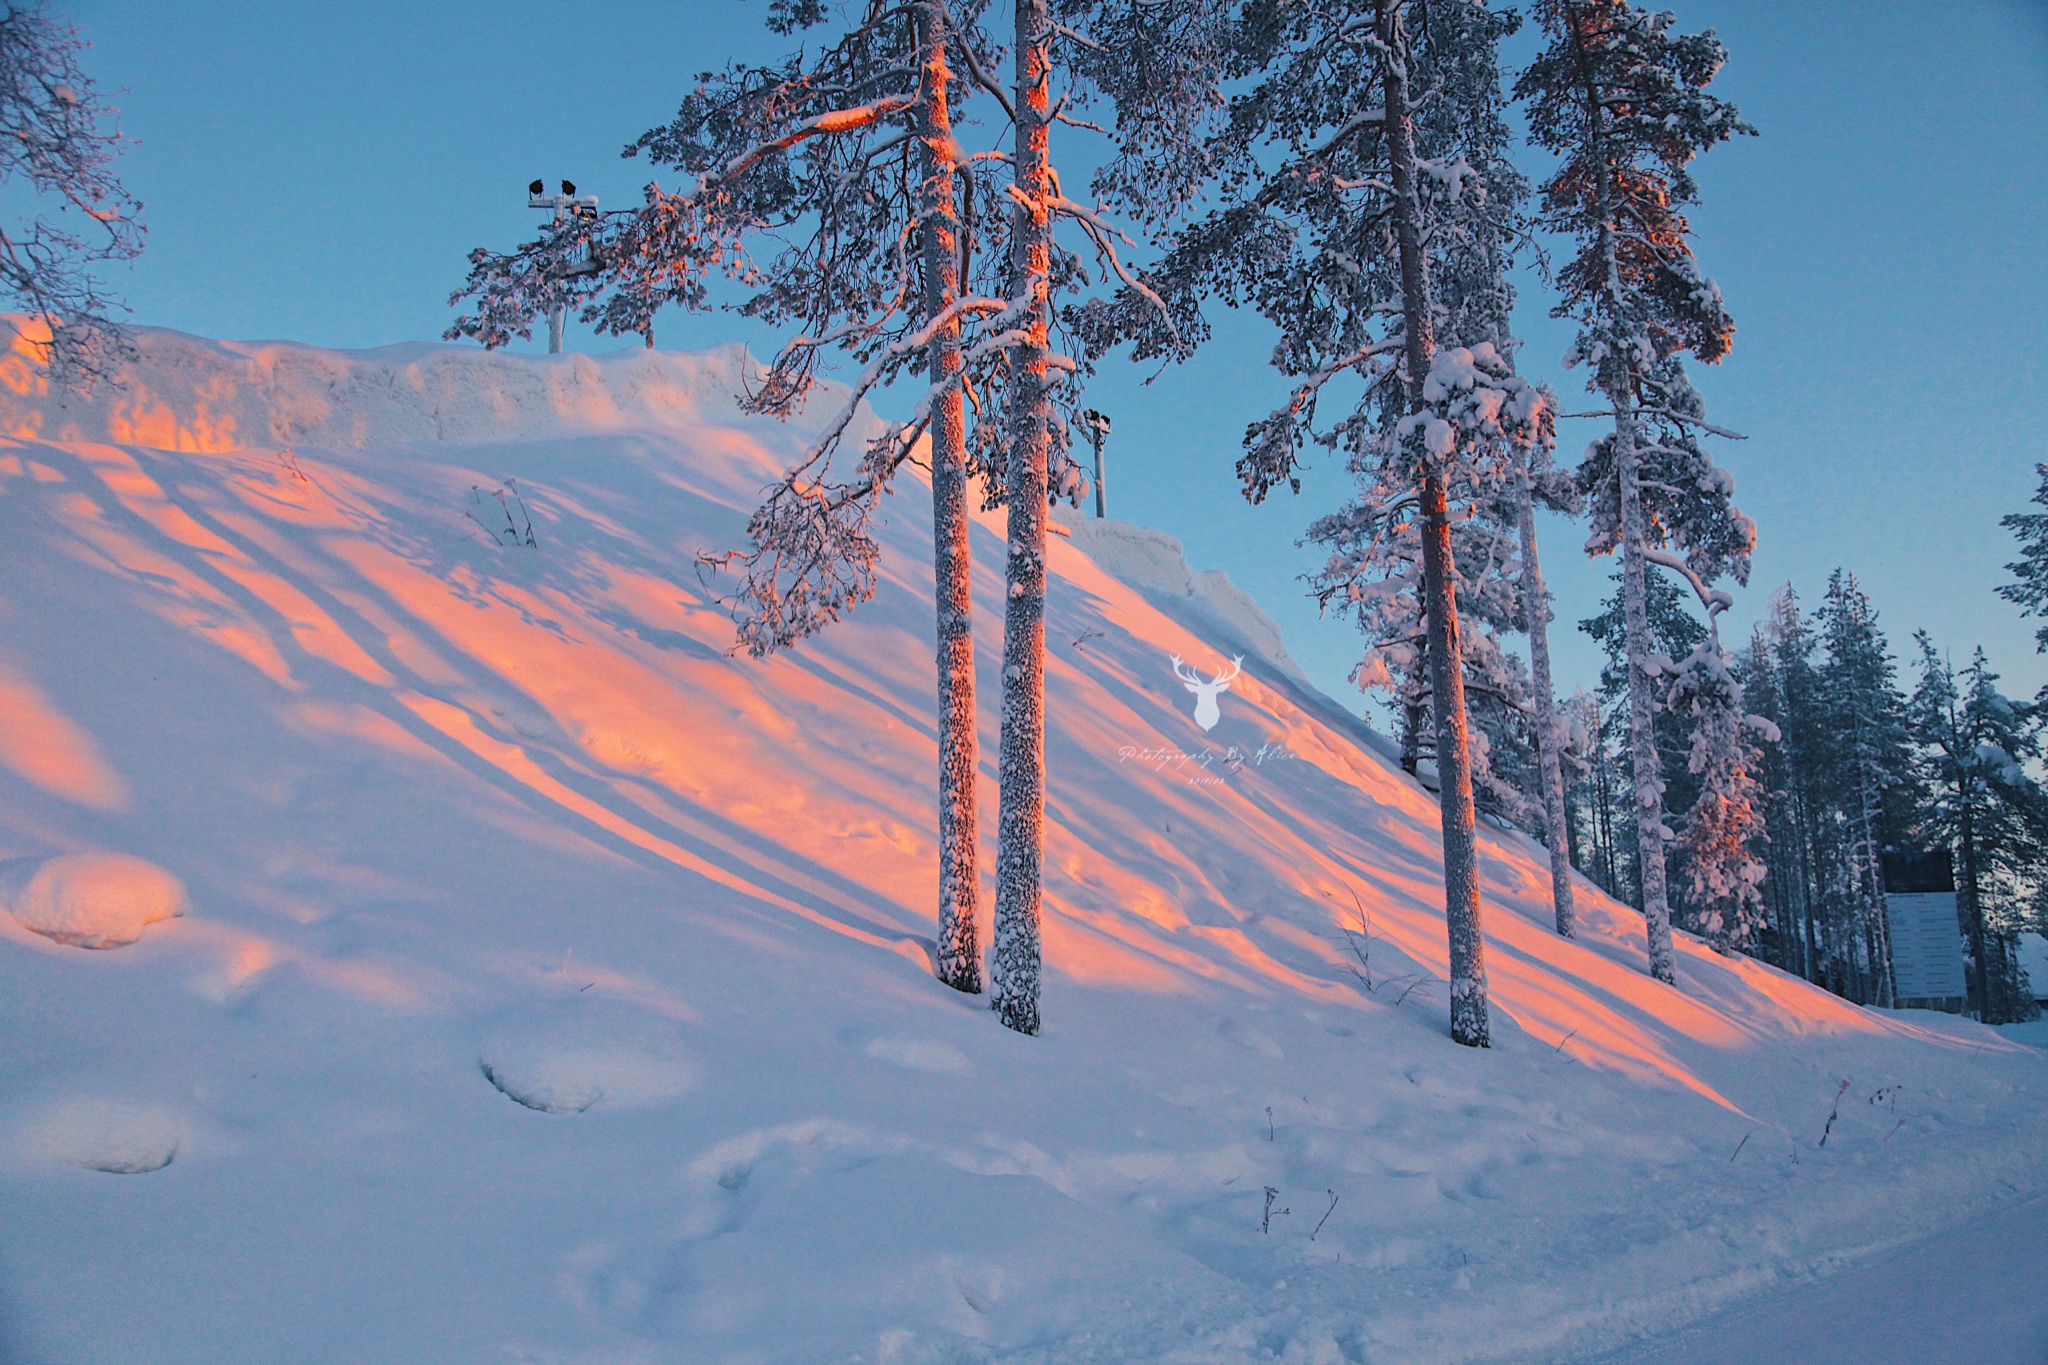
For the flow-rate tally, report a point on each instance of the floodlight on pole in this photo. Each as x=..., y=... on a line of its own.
x=568, y=204
x=1098, y=427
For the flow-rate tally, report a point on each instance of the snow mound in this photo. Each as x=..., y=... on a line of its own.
x=1155, y=563
x=580, y=1055
x=118, y=1137
x=97, y=900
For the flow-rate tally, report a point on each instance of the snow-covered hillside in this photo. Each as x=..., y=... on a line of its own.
x=551, y=986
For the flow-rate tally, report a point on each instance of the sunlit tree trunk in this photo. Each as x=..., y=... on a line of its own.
x=1469, y=1022
x=1550, y=763
x=959, y=949
x=1021, y=762
x=1619, y=385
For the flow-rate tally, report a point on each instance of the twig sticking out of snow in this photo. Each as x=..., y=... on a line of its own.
x=1834, y=1112
x=1326, y=1213
x=518, y=527
x=1266, y=1218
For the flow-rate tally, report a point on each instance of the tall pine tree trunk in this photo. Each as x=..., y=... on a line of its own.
x=1549, y=761
x=1469, y=1023
x=1618, y=381
x=959, y=949
x=1411, y=736
x=1972, y=902
x=1872, y=876
x=1642, y=701
x=1021, y=764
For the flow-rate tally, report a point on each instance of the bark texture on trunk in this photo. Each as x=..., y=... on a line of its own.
x=1642, y=704
x=958, y=957
x=1469, y=1021
x=1549, y=760
x=1021, y=763
x=1618, y=382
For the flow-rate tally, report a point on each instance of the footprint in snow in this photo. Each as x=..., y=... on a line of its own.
x=571, y=1056
x=118, y=1137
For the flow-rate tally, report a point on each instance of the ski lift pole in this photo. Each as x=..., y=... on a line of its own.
x=1098, y=427
x=565, y=205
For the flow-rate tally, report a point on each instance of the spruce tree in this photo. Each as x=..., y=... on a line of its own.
x=1869, y=768
x=1622, y=101
x=1973, y=740
x=1674, y=634
x=2029, y=588
x=1721, y=834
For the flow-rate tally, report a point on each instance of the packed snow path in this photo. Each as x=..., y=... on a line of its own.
x=551, y=986
x=1978, y=1292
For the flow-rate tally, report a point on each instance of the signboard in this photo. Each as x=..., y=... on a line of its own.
x=1927, y=945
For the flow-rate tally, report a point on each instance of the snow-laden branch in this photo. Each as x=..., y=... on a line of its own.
x=834, y=122
x=1714, y=600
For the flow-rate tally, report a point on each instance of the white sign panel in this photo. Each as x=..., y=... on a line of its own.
x=1927, y=945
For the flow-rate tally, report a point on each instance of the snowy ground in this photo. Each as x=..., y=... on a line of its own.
x=552, y=987
x=1978, y=1292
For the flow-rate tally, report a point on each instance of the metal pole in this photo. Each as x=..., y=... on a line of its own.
x=555, y=304
x=1101, y=492
x=563, y=204
x=1098, y=427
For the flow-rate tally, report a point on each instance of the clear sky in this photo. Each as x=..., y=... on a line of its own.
x=318, y=173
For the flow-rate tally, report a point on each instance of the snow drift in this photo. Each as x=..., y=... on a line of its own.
x=555, y=986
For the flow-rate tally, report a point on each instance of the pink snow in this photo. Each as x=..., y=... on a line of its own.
x=285, y=573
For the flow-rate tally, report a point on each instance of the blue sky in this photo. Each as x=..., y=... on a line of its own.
x=319, y=174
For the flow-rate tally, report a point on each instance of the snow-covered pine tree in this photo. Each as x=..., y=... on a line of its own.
x=845, y=162
x=1589, y=784
x=1157, y=65
x=1763, y=686
x=1337, y=199
x=1552, y=729
x=1471, y=243
x=1869, y=773
x=1674, y=633
x=1973, y=740
x=1721, y=832
x=1380, y=585
x=1464, y=406
x=1020, y=823
x=1787, y=689
x=2029, y=588
x=1622, y=101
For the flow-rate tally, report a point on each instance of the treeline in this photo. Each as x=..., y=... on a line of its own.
x=1863, y=762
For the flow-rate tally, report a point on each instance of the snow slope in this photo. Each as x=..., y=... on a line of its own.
x=553, y=987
